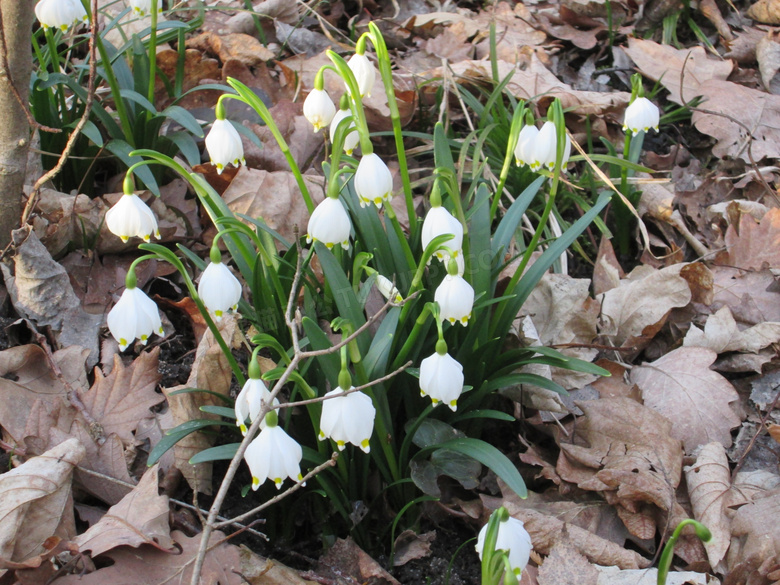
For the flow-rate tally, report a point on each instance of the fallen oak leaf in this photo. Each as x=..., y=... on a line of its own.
x=33, y=499
x=721, y=334
x=756, y=244
x=681, y=386
x=141, y=517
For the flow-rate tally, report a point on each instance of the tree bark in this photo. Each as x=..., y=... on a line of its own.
x=15, y=51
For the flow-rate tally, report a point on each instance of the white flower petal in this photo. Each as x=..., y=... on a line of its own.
x=352, y=138
x=348, y=419
x=274, y=455
x=134, y=316
x=456, y=299
x=513, y=539
x=143, y=7
x=441, y=378
x=641, y=114
x=373, y=181
x=364, y=72
x=61, y=14
x=219, y=289
x=223, y=144
x=330, y=224
x=525, y=144
x=545, y=146
x=318, y=108
x=439, y=221
x=130, y=217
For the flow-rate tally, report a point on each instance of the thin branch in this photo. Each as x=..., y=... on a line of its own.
x=32, y=200
x=278, y=497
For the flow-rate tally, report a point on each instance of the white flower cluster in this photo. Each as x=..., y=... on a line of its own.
x=537, y=148
x=61, y=14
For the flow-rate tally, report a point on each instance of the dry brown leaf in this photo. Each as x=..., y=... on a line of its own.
x=615, y=576
x=709, y=482
x=262, y=571
x=121, y=400
x=40, y=290
x=759, y=111
x=755, y=540
x=632, y=313
x=33, y=499
x=754, y=244
x=140, y=518
x=26, y=380
x=151, y=565
x=623, y=450
x=346, y=560
x=768, y=55
x=274, y=197
x=210, y=371
x=681, y=386
x=721, y=334
x=666, y=63
x=752, y=296
x=547, y=530
x=245, y=48
x=765, y=11
x=566, y=565
x=409, y=546
x=607, y=272
x=774, y=431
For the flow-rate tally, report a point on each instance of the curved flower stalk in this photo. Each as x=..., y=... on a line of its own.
x=373, y=181
x=441, y=377
x=223, y=142
x=130, y=217
x=218, y=288
x=134, y=316
x=330, y=224
x=273, y=455
x=641, y=115
x=352, y=137
x=318, y=108
x=61, y=14
x=250, y=400
x=455, y=296
x=508, y=536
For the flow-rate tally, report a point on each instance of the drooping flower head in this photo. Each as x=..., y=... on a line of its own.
x=441, y=377
x=318, y=108
x=223, y=142
x=364, y=72
x=513, y=539
x=250, y=400
x=134, y=316
x=352, y=138
x=373, y=181
x=455, y=296
x=218, y=288
x=524, y=151
x=61, y=14
x=438, y=221
x=641, y=115
x=143, y=7
x=348, y=418
x=545, y=148
x=274, y=455
x=131, y=217
x=330, y=224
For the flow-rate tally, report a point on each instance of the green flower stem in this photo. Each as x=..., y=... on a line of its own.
x=54, y=57
x=249, y=97
x=116, y=91
x=386, y=72
x=621, y=215
x=152, y=57
x=361, y=124
x=665, y=562
x=514, y=133
x=390, y=213
x=165, y=254
x=411, y=339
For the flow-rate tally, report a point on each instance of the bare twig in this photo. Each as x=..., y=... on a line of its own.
x=31, y=201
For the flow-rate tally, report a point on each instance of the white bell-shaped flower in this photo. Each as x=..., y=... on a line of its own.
x=364, y=73
x=250, y=401
x=330, y=224
x=545, y=147
x=641, y=115
x=524, y=151
x=135, y=316
x=273, y=454
x=385, y=286
x=513, y=539
x=318, y=108
x=223, y=143
x=352, y=138
x=441, y=378
x=348, y=419
x=373, y=181
x=456, y=299
x=439, y=221
x=131, y=217
x=61, y=14
x=219, y=289
x=144, y=7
